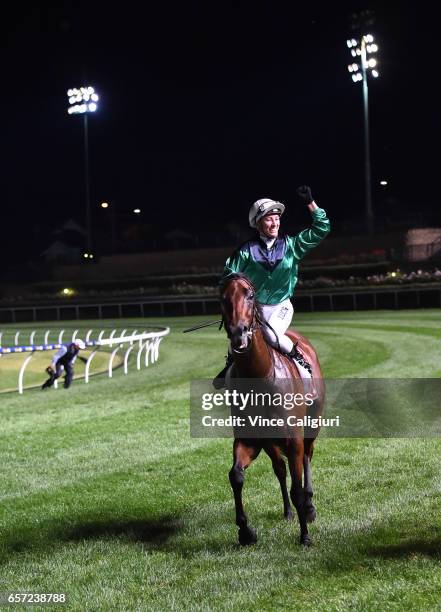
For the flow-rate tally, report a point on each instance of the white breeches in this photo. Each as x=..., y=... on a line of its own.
x=279, y=317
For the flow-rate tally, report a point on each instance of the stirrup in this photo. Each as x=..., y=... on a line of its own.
x=296, y=355
x=219, y=380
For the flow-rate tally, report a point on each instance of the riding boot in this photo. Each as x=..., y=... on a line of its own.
x=296, y=355
x=48, y=383
x=219, y=380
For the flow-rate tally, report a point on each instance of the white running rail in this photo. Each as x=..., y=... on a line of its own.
x=148, y=344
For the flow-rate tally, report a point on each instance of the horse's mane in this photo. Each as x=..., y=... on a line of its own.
x=237, y=276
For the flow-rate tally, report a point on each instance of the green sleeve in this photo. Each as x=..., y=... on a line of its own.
x=235, y=263
x=309, y=238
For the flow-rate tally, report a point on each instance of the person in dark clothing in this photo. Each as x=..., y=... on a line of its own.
x=64, y=359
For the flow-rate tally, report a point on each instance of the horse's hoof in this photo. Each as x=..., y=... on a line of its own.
x=247, y=536
x=288, y=515
x=311, y=514
x=305, y=540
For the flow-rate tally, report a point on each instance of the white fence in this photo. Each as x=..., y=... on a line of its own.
x=145, y=344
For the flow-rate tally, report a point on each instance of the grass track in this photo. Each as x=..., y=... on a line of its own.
x=107, y=498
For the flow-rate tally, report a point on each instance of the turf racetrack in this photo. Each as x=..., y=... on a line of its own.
x=106, y=498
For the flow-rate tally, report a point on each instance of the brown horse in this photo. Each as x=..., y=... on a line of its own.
x=254, y=358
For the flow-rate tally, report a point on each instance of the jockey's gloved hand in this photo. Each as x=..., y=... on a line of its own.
x=304, y=193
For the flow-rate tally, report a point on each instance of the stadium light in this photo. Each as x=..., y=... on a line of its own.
x=82, y=101
x=361, y=48
x=111, y=213
x=67, y=292
x=137, y=211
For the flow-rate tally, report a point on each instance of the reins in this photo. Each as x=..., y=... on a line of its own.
x=256, y=322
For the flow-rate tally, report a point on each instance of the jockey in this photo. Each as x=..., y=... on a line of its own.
x=271, y=263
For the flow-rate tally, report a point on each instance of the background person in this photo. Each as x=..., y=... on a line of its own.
x=64, y=359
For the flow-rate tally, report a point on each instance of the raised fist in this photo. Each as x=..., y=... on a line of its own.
x=304, y=193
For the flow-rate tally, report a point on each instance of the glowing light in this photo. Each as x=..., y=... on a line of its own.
x=372, y=48
x=372, y=63
x=375, y=74
x=384, y=183
x=86, y=255
x=104, y=205
x=137, y=211
x=349, y=43
x=82, y=100
x=67, y=291
x=353, y=53
x=368, y=38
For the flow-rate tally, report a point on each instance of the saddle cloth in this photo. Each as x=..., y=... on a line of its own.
x=281, y=372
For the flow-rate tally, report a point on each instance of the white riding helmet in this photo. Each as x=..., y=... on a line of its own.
x=264, y=207
x=79, y=343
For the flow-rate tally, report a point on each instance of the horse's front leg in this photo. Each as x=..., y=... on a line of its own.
x=295, y=459
x=279, y=468
x=244, y=452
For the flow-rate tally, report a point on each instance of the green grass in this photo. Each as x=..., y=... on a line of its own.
x=107, y=498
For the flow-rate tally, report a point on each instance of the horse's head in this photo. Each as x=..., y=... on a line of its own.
x=238, y=310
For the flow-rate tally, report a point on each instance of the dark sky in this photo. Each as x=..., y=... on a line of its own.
x=207, y=106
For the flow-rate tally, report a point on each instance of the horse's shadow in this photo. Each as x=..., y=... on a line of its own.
x=154, y=533
x=150, y=533
x=428, y=548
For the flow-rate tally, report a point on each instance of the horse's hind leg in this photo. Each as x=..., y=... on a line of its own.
x=307, y=456
x=243, y=454
x=279, y=468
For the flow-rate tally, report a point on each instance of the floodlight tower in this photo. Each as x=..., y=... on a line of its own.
x=362, y=51
x=83, y=101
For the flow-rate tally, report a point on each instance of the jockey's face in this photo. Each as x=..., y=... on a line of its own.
x=269, y=225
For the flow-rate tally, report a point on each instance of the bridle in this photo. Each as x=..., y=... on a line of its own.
x=256, y=320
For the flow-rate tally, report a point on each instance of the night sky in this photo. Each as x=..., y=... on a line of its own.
x=207, y=106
